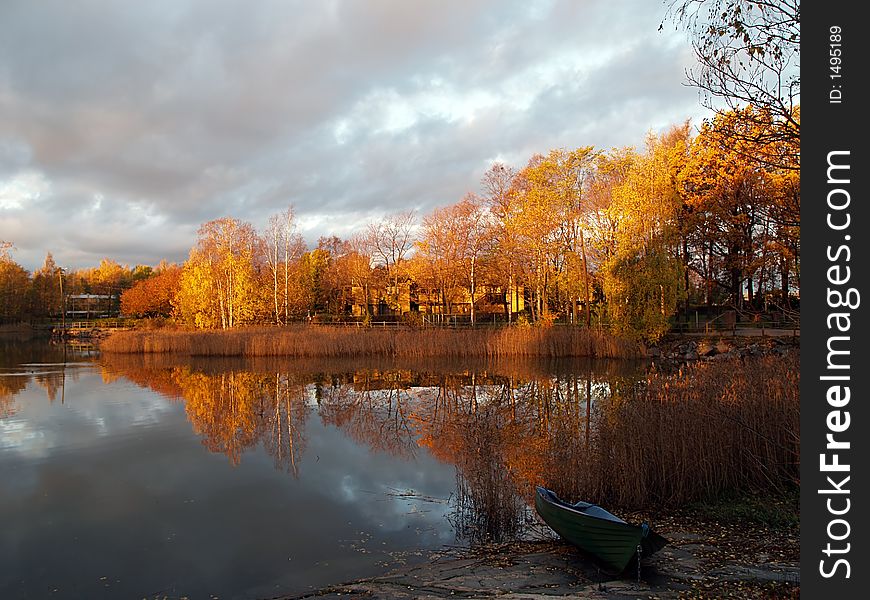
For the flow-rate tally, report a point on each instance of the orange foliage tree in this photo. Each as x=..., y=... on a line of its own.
x=153, y=297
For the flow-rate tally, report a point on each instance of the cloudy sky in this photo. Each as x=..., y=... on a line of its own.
x=125, y=125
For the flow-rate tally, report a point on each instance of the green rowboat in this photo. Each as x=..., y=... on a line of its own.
x=596, y=531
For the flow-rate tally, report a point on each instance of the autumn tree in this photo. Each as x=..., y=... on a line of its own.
x=391, y=239
x=140, y=272
x=14, y=283
x=310, y=274
x=283, y=246
x=748, y=53
x=784, y=241
x=45, y=288
x=531, y=226
x=724, y=192
x=109, y=278
x=356, y=261
x=219, y=283
x=498, y=193
x=154, y=296
x=610, y=171
x=550, y=222
x=474, y=233
x=643, y=277
x=746, y=214
x=335, y=280
x=441, y=254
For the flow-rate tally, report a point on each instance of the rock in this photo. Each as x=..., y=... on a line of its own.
x=549, y=570
x=706, y=348
x=722, y=346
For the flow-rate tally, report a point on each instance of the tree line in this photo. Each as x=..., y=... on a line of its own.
x=41, y=294
x=623, y=236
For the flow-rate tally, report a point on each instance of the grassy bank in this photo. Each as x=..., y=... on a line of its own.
x=327, y=342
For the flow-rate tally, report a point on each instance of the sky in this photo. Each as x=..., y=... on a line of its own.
x=126, y=125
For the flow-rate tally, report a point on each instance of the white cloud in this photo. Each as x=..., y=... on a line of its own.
x=176, y=113
x=22, y=190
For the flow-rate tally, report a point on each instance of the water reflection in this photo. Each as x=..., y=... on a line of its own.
x=608, y=431
x=113, y=492
x=54, y=362
x=253, y=478
x=501, y=426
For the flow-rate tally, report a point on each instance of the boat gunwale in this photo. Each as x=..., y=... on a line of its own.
x=561, y=504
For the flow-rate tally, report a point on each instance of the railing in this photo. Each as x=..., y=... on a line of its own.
x=361, y=324
x=445, y=324
x=734, y=321
x=107, y=324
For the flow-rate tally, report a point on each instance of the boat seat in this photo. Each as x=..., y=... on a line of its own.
x=593, y=510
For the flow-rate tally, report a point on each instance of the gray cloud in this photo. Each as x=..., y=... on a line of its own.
x=123, y=127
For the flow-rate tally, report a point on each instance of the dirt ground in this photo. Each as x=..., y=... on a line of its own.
x=705, y=559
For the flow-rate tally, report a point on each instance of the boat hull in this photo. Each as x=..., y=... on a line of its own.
x=611, y=540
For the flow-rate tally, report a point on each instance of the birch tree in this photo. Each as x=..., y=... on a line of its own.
x=219, y=285
x=284, y=245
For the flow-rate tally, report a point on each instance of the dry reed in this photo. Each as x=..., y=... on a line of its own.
x=714, y=427
x=333, y=342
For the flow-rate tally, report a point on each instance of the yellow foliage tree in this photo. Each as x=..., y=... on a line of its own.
x=643, y=277
x=14, y=281
x=220, y=283
x=46, y=289
x=744, y=203
x=550, y=221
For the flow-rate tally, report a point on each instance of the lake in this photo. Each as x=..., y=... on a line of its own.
x=141, y=476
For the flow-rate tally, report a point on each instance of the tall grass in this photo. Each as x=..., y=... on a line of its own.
x=329, y=342
x=712, y=428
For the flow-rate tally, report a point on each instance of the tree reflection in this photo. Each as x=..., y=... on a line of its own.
x=375, y=409
x=284, y=434
x=21, y=364
x=499, y=431
x=10, y=387
x=496, y=429
x=233, y=409
x=626, y=437
x=226, y=409
x=236, y=410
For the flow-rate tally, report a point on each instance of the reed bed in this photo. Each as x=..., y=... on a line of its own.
x=712, y=428
x=334, y=342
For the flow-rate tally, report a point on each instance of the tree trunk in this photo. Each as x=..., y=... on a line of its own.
x=586, y=279
x=784, y=283
x=511, y=294
x=472, y=291
x=686, y=272
x=275, y=282
x=709, y=282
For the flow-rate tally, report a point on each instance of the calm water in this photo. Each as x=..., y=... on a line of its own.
x=142, y=477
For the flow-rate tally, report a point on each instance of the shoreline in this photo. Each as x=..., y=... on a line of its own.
x=335, y=342
x=705, y=558
x=327, y=341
